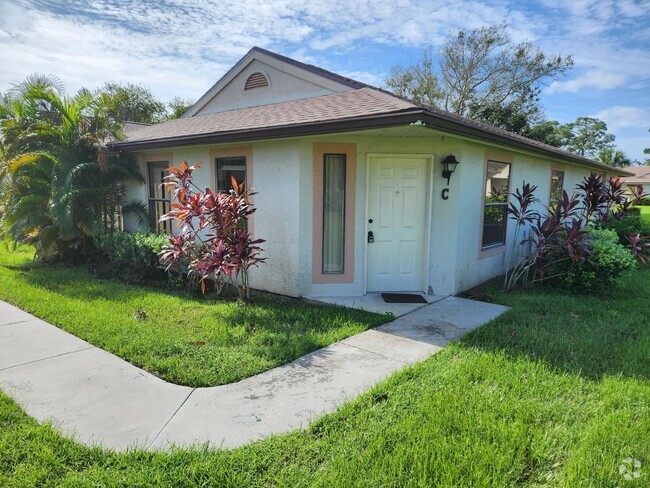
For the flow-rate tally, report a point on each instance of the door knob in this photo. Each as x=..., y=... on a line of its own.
x=371, y=237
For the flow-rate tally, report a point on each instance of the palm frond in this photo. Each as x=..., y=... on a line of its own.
x=139, y=209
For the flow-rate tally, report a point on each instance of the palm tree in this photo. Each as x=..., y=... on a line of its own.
x=614, y=157
x=61, y=183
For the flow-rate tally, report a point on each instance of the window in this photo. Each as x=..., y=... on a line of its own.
x=333, y=213
x=497, y=186
x=557, y=185
x=159, y=202
x=228, y=168
x=333, y=195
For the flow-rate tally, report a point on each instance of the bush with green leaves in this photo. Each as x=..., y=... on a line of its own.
x=630, y=224
x=585, y=241
x=608, y=262
x=131, y=257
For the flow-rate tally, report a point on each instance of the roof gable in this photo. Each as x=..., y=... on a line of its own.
x=262, y=78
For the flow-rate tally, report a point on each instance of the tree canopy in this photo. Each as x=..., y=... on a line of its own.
x=177, y=106
x=60, y=183
x=614, y=157
x=587, y=136
x=136, y=103
x=479, y=68
x=133, y=103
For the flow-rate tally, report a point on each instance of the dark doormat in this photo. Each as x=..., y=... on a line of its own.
x=402, y=298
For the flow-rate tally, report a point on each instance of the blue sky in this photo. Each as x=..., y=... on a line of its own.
x=177, y=47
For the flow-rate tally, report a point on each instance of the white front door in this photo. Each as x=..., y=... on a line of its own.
x=397, y=200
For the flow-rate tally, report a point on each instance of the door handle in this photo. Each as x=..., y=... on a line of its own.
x=371, y=237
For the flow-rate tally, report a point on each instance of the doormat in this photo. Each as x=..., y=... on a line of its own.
x=402, y=298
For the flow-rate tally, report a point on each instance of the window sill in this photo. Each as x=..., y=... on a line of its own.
x=493, y=250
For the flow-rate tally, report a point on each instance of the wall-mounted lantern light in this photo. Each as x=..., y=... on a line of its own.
x=449, y=166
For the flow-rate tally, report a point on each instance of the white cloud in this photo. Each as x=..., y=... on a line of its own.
x=600, y=80
x=630, y=126
x=605, y=39
x=365, y=77
x=181, y=48
x=620, y=117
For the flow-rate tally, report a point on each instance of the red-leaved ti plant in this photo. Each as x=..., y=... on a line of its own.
x=639, y=247
x=213, y=241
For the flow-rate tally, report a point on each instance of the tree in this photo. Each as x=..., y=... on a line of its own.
x=61, y=183
x=480, y=68
x=549, y=132
x=614, y=157
x=526, y=121
x=418, y=82
x=647, y=151
x=177, y=106
x=587, y=136
x=133, y=103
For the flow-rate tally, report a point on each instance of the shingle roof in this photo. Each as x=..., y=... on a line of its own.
x=641, y=175
x=361, y=108
x=129, y=127
x=327, y=108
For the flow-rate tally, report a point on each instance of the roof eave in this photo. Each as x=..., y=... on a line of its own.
x=393, y=119
x=284, y=131
x=465, y=130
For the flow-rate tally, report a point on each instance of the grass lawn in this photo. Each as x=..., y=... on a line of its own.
x=645, y=213
x=180, y=337
x=556, y=393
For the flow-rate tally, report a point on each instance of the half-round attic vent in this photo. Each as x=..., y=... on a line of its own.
x=256, y=80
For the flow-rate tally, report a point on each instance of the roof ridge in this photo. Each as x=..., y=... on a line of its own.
x=311, y=67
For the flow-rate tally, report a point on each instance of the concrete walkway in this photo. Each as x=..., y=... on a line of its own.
x=99, y=398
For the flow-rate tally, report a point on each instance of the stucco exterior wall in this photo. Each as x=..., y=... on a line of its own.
x=283, y=178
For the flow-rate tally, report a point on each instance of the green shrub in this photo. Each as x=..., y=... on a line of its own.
x=131, y=257
x=608, y=263
x=631, y=224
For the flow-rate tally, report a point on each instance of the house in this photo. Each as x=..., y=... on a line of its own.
x=641, y=177
x=351, y=197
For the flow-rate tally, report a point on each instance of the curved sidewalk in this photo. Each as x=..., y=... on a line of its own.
x=99, y=398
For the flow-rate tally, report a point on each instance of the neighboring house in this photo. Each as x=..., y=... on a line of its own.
x=351, y=197
x=641, y=177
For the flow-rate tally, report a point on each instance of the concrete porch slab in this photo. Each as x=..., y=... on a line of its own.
x=373, y=302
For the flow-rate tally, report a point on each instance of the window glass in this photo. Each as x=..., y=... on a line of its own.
x=557, y=185
x=159, y=201
x=333, y=213
x=497, y=186
x=230, y=167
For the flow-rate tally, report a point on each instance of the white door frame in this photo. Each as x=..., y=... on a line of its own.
x=427, y=216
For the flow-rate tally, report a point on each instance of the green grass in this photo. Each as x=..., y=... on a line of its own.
x=556, y=393
x=645, y=213
x=180, y=337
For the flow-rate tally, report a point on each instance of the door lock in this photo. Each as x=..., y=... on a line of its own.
x=371, y=237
